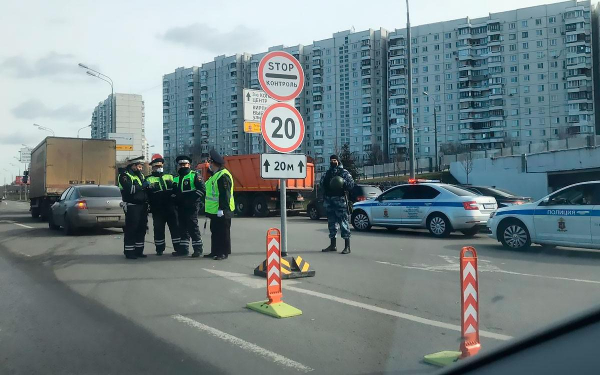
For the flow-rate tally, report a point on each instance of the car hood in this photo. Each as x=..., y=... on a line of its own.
x=365, y=202
x=526, y=206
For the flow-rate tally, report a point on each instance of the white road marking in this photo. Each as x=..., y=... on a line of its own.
x=12, y=222
x=244, y=345
x=485, y=267
x=381, y=310
x=247, y=280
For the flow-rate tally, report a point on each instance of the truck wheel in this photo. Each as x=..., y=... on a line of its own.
x=261, y=209
x=35, y=213
x=313, y=212
x=242, y=208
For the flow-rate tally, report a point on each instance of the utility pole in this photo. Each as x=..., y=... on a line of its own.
x=411, y=129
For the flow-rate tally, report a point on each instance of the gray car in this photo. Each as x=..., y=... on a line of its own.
x=87, y=206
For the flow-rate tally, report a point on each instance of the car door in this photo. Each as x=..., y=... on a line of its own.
x=565, y=216
x=595, y=219
x=417, y=203
x=387, y=211
x=59, y=207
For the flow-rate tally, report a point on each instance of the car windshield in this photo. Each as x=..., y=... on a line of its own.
x=99, y=191
x=495, y=192
x=458, y=191
x=367, y=190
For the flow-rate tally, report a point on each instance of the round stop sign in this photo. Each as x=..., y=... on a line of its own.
x=281, y=75
x=282, y=127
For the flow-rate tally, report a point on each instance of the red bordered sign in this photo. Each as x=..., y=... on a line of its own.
x=281, y=75
x=282, y=127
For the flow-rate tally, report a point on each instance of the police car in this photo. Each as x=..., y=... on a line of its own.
x=567, y=217
x=441, y=208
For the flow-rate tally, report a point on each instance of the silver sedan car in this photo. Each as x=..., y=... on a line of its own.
x=87, y=206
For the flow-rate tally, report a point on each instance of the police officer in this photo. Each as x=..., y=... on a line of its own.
x=219, y=207
x=189, y=189
x=135, y=207
x=336, y=183
x=159, y=187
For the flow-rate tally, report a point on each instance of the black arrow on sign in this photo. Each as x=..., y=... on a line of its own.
x=266, y=165
x=300, y=166
x=248, y=96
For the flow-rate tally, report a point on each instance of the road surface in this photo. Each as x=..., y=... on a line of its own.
x=76, y=305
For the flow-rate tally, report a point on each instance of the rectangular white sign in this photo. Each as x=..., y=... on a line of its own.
x=256, y=103
x=25, y=155
x=122, y=139
x=276, y=166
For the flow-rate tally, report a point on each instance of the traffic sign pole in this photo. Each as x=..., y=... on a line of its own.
x=283, y=204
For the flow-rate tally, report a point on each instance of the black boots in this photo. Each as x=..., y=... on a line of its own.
x=346, y=246
x=129, y=254
x=331, y=246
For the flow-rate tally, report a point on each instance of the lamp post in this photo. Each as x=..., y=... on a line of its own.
x=107, y=79
x=437, y=160
x=411, y=129
x=45, y=128
x=80, y=129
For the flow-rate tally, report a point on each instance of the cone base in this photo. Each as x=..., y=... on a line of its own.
x=277, y=310
x=443, y=358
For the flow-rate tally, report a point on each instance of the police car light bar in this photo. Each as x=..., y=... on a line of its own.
x=417, y=180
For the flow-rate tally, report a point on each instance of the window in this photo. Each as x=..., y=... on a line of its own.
x=425, y=69
x=512, y=47
x=543, y=132
x=525, y=56
x=539, y=44
x=525, y=45
x=525, y=34
x=540, y=55
x=448, y=45
x=424, y=49
x=552, y=19
x=436, y=47
x=436, y=68
x=513, y=58
x=436, y=37
x=420, y=192
x=527, y=101
x=554, y=64
x=580, y=195
x=513, y=69
x=526, y=67
x=448, y=35
x=424, y=39
x=448, y=75
x=552, y=42
x=540, y=65
x=448, y=56
x=514, y=112
x=524, y=23
x=394, y=194
x=538, y=32
x=514, y=79
x=512, y=26
x=541, y=76
x=424, y=58
x=450, y=117
x=64, y=194
x=538, y=21
x=512, y=36
x=553, y=86
x=448, y=66
x=525, y=89
x=540, y=99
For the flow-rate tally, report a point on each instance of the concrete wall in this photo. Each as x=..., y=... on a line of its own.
x=527, y=176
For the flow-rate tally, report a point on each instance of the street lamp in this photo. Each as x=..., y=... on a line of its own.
x=437, y=160
x=45, y=128
x=80, y=129
x=411, y=128
x=107, y=79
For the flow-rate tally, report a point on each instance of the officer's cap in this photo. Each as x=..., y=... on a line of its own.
x=136, y=160
x=157, y=160
x=216, y=158
x=183, y=159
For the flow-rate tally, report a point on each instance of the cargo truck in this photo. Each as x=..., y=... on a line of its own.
x=256, y=196
x=57, y=163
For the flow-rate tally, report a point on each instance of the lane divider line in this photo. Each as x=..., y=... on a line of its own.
x=397, y=314
x=244, y=345
x=23, y=225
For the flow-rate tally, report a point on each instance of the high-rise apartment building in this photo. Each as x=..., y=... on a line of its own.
x=181, y=113
x=514, y=77
x=511, y=78
x=127, y=127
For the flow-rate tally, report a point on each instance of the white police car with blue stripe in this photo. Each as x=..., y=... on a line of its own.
x=441, y=208
x=567, y=217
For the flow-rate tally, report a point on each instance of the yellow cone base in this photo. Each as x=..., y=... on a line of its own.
x=442, y=359
x=277, y=310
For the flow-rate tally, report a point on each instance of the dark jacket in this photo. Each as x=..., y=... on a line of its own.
x=224, y=186
x=186, y=196
x=331, y=173
x=157, y=197
x=132, y=192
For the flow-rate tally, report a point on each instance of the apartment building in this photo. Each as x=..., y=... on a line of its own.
x=515, y=77
x=181, y=113
x=126, y=124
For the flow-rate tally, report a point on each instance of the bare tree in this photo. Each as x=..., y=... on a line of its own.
x=376, y=155
x=467, y=164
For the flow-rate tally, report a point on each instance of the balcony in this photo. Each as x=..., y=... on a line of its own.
x=317, y=72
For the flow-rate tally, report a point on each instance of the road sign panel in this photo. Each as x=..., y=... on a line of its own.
x=25, y=155
x=281, y=75
x=251, y=127
x=276, y=166
x=282, y=127
x=124, y=148
x=256, y=103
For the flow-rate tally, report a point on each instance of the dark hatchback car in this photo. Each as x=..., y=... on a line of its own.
x=504, y=198
x=359, y=193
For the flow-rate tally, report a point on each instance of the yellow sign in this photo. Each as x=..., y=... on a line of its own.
x=251, y=127
x=124, y=147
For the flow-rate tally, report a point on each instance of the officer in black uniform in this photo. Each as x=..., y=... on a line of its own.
x=189, y=190
x=136, y=209
x=159, y=187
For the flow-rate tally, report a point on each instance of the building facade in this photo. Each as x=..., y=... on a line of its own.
x=126, y=126
x=511, y=78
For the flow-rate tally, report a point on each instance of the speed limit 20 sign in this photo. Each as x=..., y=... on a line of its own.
x=282, y=127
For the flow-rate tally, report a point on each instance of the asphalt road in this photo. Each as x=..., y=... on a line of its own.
x=78, y=306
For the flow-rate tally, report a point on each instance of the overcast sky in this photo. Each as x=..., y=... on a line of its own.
x=136, y=42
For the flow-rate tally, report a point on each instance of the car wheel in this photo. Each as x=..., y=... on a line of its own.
x=313, y=212
x=438, y=225
x=514, y=235
x=68, y=228
x=360, y=221
x=51, y=224
x=470, y=232
x=261, y=209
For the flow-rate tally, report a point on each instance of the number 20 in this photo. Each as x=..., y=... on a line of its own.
x=289, y=123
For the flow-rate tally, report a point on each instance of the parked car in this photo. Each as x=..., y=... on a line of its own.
x=359, y=193
x=568, y=217
x=87, y=206
x=504, y=198
x=441, y=208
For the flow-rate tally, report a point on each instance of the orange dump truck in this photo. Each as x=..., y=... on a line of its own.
x=256, y=196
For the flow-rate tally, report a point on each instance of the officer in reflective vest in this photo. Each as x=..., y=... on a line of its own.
x=219, y=207
x=135, y=207
x=189, y=190
x=159, y=187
